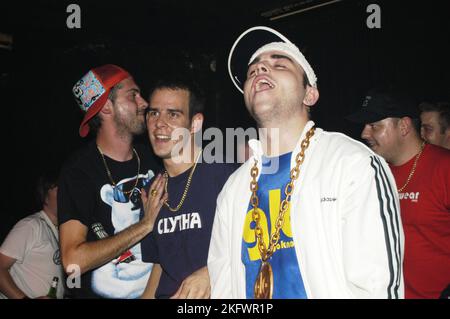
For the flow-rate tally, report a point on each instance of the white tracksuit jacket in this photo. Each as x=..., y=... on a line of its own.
x=345, y=219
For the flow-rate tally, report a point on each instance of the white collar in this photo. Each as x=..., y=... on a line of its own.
x=45, y=217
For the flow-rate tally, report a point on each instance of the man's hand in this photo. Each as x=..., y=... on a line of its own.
x=153, y=201
x=196, y=286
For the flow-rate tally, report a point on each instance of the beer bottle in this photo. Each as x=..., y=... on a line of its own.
x=100, y=232
x=52, y=291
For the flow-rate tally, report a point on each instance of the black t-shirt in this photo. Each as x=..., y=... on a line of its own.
x=86, y=194
x=180, y=240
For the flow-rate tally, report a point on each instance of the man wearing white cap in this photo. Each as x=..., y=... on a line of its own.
x=325, y=223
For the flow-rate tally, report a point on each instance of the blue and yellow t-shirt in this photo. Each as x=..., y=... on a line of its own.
x=288, y=281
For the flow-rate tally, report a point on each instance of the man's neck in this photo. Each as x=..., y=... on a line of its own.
x=407, y=151
x=177, y=166
x=115, y=147
x=51, y=214
x=281, y=138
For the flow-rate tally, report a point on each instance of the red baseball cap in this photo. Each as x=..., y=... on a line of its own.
x=92, y=91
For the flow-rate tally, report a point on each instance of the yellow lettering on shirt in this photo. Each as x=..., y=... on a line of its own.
x=249, y=235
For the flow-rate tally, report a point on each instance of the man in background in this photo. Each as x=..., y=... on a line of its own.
x=435, y=118
x=29, y=256
x=422, y=174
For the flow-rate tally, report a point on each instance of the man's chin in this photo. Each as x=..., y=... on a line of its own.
x=161, y=153
x=164, y=155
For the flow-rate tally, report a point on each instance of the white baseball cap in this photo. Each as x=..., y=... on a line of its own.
x=255, y=41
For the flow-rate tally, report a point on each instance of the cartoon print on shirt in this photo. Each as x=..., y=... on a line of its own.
x=121, y=279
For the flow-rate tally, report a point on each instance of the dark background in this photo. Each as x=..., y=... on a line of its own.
x=39, y=122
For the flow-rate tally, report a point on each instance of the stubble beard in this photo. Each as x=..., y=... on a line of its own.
x=127, y=126
x=275, y=114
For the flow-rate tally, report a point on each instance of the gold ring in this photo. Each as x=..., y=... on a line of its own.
x=153, y=192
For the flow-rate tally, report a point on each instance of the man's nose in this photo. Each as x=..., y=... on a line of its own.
x=365, y=134
x=261, y=68
x=160, y=121
x=142, y=103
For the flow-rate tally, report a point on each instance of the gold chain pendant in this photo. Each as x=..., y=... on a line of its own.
x=263, y=288
x=264, y=282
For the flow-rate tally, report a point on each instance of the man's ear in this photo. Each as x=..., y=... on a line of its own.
x=405, y=125
x=107, y=108
x=196, y=123
x=311, y=96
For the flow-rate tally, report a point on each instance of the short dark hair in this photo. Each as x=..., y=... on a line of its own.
x=113, y=92
x=45, y=182
x=196, y=94
x=95, y=123
x=442, y=108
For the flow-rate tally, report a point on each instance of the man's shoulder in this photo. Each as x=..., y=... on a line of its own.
x=438, y=158
x=236, y=177
x=438, y=152
x=29, y=223
x=219, y=168
x=339, y=143
x=34, y=218
x=218, y=173
x=337, y=147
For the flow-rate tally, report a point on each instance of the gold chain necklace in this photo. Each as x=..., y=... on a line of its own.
x=110, y=175
x=413, y=169
x=264, y=282
x=188, y=184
